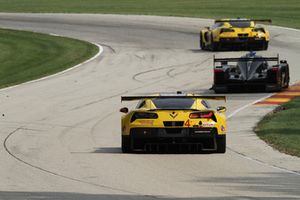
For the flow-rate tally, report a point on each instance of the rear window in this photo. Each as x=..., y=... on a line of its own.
x=173, y=103
x=240, y=24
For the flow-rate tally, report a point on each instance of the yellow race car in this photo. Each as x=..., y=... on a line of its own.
x=173, y=122
x=235, y=34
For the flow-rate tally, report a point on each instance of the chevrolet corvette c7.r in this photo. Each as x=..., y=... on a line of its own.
x=181, y=121
x=235, y=34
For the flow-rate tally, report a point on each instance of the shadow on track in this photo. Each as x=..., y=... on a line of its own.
x=5, y=195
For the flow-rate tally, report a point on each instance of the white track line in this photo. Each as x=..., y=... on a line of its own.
x=285, y=28
x=100, y=51
x=254, y=102
x=253, y=159
x=247, y=105
x=264, y=163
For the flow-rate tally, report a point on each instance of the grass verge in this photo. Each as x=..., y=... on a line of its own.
x=26, y=56
x=283, y=12
x=281, y=129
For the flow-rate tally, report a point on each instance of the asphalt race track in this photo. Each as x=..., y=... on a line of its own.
x=60, y=137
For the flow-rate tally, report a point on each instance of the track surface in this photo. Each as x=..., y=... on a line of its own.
x=61, y=136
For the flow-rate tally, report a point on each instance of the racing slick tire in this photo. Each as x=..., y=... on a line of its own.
x=265, y=45
x=202, y=46
x=281, y=81
x=286, y=84
x=221, y=143
x=126, y=144
x=285, y=80
x=214, y=46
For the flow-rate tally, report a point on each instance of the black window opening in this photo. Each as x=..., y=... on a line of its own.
x=240, y=24
x=173, y=103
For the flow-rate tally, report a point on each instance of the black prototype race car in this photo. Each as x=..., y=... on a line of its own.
x=250, y=72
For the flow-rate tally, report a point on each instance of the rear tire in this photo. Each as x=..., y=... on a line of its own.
x=202, y=46
x=126, y=144
x=284, y=80
x=221, y=143
x=287, y=83
x=265, y=45
x=214, y=46
x=281, y=82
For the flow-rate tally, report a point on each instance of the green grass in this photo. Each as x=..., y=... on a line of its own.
x=283, y=12
x=282, y=128
x=26, y=56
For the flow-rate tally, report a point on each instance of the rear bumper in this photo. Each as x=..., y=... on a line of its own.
x=172, y=132
x=240, y=40
x=184, y=139
x=246, y=86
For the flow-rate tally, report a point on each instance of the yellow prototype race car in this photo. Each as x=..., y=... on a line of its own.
x=235, y=34
x=173, y=122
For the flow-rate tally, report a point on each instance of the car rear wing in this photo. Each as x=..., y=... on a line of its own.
x=226, y=60
x=195, y=96
x=246, y=20
x=262, y=20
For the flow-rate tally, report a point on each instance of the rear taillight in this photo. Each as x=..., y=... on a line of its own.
x=273, y=74
x=226, y=30
x=218, y=76
x=143, y=115
x=275, y=69
x=194, y=115
x=218, y=70
x=199, y=115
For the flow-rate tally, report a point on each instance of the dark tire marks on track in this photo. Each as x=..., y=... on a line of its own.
x=5, y=145
x=173, y=67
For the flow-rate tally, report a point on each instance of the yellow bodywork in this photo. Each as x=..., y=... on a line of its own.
x=174, y=115
x=223, y=32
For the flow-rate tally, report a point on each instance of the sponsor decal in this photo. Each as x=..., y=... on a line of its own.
x=222, y=128
x=146, y=122
x=187, y=123
x=208, y=124
x=173, y=115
